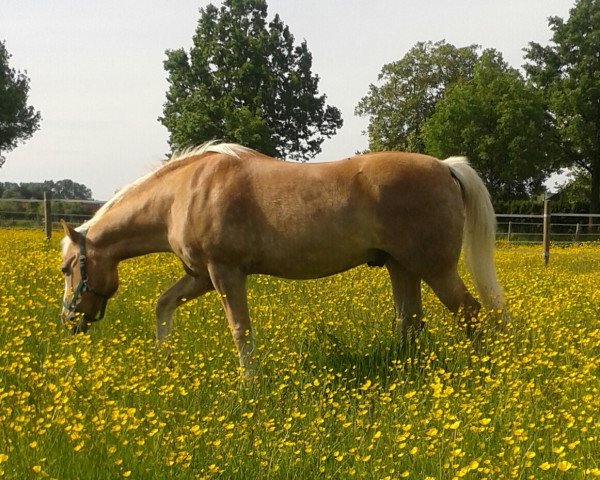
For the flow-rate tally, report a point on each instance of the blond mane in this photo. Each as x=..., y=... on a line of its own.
x=231, y=149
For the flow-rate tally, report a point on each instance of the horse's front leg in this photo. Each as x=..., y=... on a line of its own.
x=230, y=284
x=186, y=288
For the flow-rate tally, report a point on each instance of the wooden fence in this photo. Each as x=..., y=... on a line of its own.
x=45, y=214
x=543, y=229
x=548, y=228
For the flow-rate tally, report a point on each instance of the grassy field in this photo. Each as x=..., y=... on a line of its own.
x=335, y=398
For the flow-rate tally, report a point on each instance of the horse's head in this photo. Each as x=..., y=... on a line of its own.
x=90, y=280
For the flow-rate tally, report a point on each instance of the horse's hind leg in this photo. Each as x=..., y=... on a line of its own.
x=186, y=288
x=451, y=290
x=406, y=289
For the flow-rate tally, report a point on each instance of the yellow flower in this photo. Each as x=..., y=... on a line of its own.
x=365, y=386
x=563, y=466
x=453, y=426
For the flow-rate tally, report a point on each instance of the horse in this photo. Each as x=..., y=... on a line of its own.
x=228, y=211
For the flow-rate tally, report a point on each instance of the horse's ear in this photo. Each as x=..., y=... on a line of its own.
x=70, y=231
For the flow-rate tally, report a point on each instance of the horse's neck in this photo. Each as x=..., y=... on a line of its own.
x=131, y=228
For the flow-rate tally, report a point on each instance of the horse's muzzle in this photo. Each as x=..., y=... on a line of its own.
x=74, y=323
x=81, y=327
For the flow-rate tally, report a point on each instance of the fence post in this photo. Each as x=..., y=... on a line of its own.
x=577, y=231
x=47, y=216
x=546, y=238
x=509, y=230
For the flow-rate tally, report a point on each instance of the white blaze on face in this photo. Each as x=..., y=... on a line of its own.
x=64, y=309
x=64, y=245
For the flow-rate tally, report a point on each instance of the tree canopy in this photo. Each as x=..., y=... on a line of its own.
x=444, y=100
x=18, y=121
x=568, y=71
x=408, y=92
x=575, y=192
x=500, y=123
x=246, y=81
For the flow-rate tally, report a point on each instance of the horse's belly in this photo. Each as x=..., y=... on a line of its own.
x=311, y=264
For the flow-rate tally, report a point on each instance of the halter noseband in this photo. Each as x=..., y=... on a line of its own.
x=83, y=285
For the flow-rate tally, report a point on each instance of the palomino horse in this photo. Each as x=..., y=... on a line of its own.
x=227, y=212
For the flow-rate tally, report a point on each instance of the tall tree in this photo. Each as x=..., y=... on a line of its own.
x=246, y=81
x=568, y=70
x=409, y=90
x=500, y=122
x=18, y=121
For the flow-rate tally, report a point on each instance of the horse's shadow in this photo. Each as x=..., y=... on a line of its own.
x=383, y=362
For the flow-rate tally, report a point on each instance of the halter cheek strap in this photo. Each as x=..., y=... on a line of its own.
x=83, y=285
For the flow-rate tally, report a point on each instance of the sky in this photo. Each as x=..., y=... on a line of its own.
x=96, y=69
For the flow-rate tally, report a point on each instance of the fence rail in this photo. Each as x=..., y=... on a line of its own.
x=45, y=214
x=514, y=228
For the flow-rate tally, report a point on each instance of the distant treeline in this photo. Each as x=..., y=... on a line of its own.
x=536, y=206
x=60, y=190
x=15, y=210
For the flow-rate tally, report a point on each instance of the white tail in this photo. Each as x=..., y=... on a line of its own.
x=480, y=232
